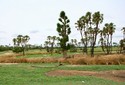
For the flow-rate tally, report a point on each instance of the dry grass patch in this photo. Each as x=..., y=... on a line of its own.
x=78, y=59
x=115, y=59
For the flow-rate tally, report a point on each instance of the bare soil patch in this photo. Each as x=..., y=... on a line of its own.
x=115, y=75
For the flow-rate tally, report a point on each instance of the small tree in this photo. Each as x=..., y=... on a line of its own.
x=46, y=44
x=21, y=41
x=51, y=42
x=73, y=45
x=63, y=29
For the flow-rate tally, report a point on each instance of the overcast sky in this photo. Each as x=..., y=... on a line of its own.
x=38, y=18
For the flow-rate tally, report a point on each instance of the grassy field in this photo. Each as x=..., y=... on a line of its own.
x=42, y=53
x=34, y=74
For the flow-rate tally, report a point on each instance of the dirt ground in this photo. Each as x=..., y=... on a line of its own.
x=115, y=75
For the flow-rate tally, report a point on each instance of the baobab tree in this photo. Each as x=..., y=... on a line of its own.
x=63, y=30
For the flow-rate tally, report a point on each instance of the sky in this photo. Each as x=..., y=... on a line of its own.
x=39, y=18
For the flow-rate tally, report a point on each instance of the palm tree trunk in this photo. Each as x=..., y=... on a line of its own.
x=52, y=49
x=93, y=45
x=108, y=45
x=92, y=51
x=111, y=45
x=102, y=46
x=82, y=41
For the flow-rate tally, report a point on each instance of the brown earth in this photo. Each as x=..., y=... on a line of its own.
x=115, y=75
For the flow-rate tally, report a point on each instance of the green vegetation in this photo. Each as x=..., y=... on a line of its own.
x=20, y=43
x=55, y=55
x=49, y=44
x=36, y=61
x=63, y=28
x=106, y=37
x=94, y=67
x=88, y=26
x=34, y=74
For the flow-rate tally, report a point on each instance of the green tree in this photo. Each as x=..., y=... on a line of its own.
x=53, y=38
x=46, y=44
x=73, y=45
x=82, y=25
x=97, y=19
x=123, y=40
x=106, y=37
x=74, y=42
x=111, y=31
x=49, y=44
x=14, y=41
x=63, y=29
x=26, y=38
x=51, y=41
x=21, y=42
x=88, y=26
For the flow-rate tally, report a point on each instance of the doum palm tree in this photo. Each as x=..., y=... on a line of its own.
x=123, y=39
x=97, y=18
x=21, y=41
x=111, y=31
x=83, y=25
x=106, y=37
x=14, y=41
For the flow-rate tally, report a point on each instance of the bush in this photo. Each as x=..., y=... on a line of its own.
x=17, y=49
x=4, y=48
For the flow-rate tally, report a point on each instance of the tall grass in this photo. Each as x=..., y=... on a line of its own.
x=98, y=60
x=115, y=59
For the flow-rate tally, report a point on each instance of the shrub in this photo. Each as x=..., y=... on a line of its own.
x=4, y=48
x=17, y=49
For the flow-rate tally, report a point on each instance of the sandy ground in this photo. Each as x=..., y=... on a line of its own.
x=115, y=75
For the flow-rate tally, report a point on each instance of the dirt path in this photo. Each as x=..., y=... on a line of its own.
x=115, y=75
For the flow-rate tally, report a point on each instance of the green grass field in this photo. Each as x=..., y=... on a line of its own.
x=38, y=53
x=34, y=74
